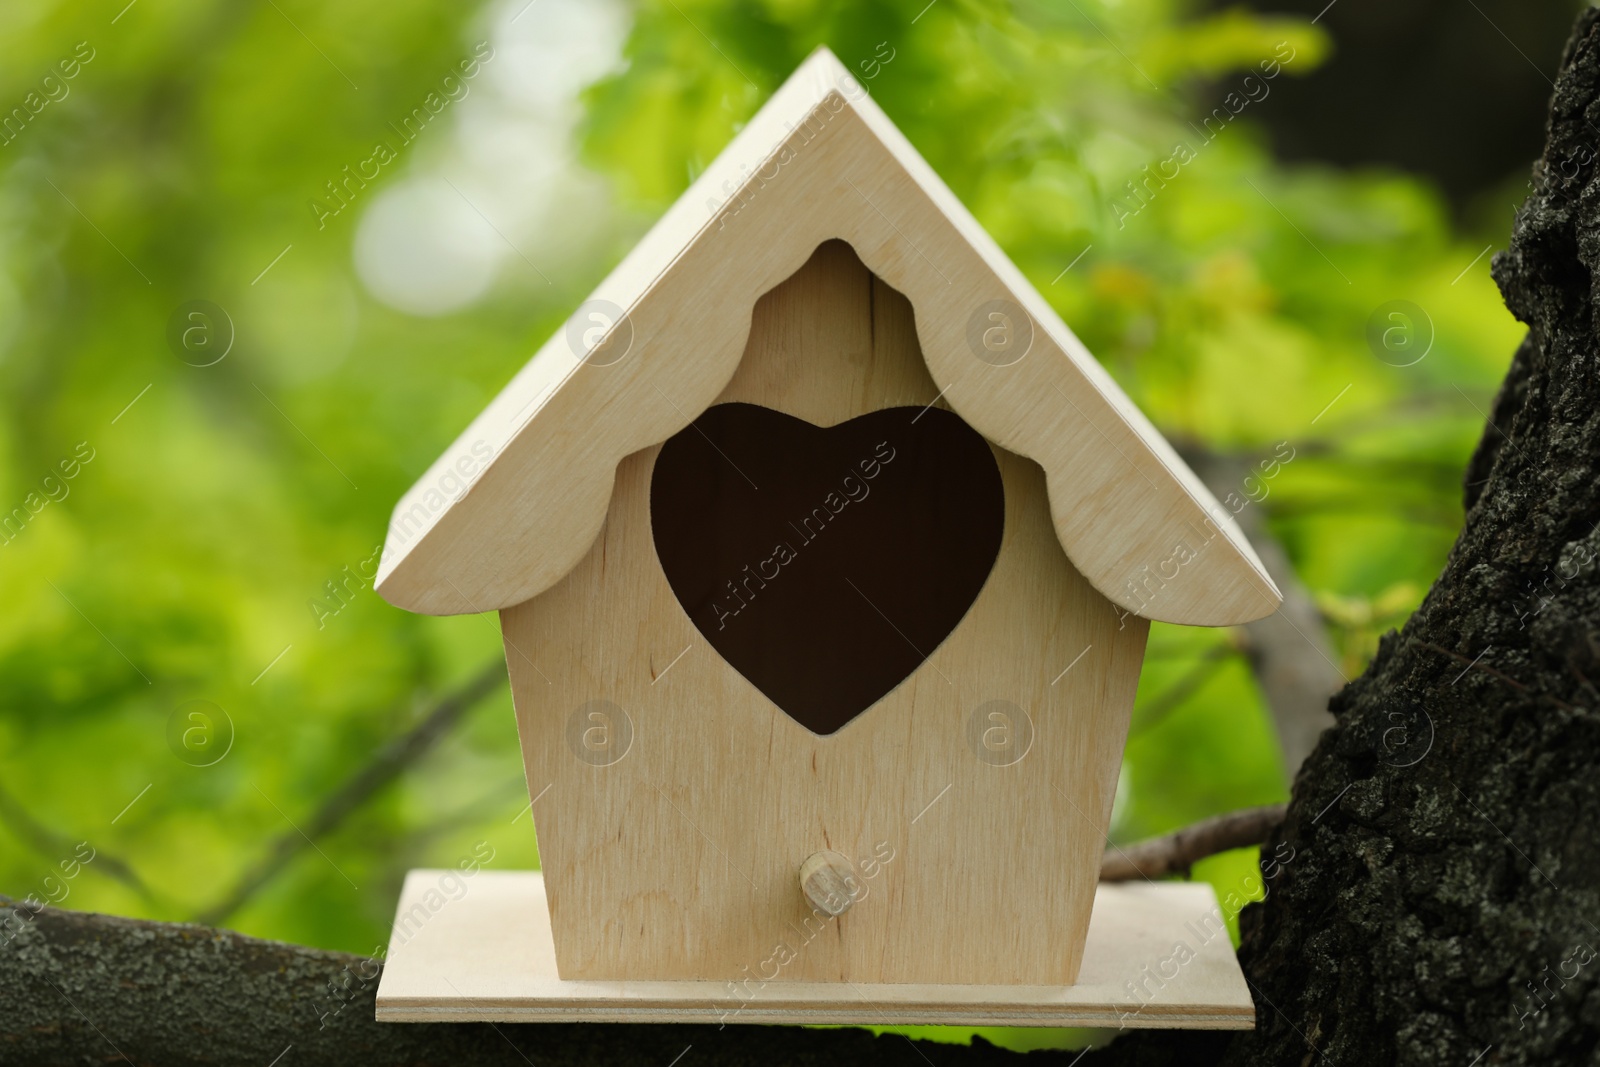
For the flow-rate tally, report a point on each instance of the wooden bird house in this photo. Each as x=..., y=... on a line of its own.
x=824, y=554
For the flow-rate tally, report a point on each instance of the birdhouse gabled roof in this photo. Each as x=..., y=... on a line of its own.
x=517, y=500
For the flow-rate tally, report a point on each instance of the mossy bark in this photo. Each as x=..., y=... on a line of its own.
x=77, y=988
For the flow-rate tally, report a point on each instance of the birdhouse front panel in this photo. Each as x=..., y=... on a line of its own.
x=681, y=789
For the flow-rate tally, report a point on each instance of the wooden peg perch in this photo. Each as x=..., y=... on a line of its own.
x=825, y=879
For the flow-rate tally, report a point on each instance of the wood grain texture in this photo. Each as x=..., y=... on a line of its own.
x=488, y=956
x=978, y=826
x=819, y=161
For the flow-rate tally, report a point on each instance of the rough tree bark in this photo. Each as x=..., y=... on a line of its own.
x=1442, y=899
x=1442, y=903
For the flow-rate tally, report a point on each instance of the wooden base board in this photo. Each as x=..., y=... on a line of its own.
x=473, y=949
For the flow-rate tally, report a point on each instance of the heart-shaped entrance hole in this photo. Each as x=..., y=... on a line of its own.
x=825, y=565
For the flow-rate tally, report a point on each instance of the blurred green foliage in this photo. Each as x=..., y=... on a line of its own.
x=1231, y=299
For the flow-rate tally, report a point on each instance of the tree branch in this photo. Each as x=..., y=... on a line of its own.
x=384, y=767
x=1178, y=693
x=1289, y=651
x=79, y=988
x=55, y=846
x=1178, y=851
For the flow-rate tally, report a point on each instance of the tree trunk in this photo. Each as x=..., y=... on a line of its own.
x=1440, y=899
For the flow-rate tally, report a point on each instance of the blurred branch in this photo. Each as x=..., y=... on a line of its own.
x=1356, y=504
x=1406, y=408
x=1289, y=651
x=1426, y=470
x=492, y=802
x=384, y=767
x=54, y=846
x=1179, y=692
x=1178, y=851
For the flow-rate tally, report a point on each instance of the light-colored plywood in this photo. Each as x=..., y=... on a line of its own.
x=486, y=954
x=819, y=161
x=974, y=797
